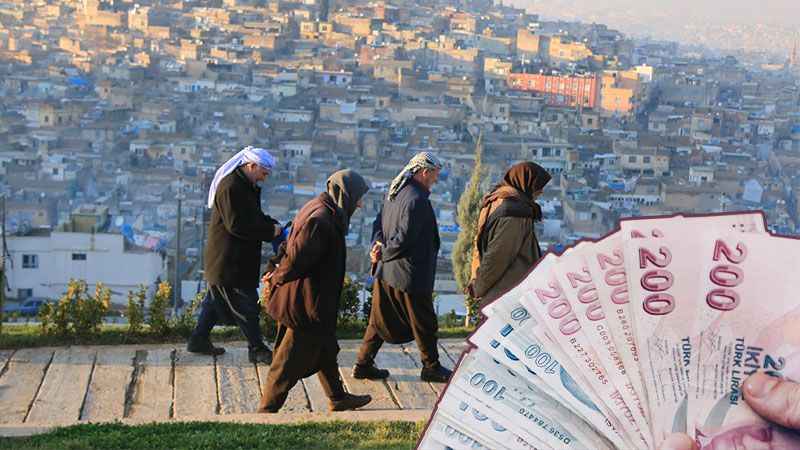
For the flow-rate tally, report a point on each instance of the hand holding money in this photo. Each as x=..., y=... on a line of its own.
x=776, y=400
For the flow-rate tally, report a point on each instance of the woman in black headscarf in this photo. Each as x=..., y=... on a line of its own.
x=304, y=297
x=505, y=242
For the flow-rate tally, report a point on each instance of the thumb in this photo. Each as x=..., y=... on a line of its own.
x=774, y=399
x=678, y=441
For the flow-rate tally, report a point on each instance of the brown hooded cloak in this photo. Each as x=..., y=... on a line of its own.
x=308, y=284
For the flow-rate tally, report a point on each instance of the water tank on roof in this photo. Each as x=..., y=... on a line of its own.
x=796, y=132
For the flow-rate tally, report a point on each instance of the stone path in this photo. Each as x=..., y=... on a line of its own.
x=46, y=387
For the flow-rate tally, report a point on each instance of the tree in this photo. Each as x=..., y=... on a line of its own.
x=469, y=206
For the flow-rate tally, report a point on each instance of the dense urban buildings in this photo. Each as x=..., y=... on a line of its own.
x=114, y=112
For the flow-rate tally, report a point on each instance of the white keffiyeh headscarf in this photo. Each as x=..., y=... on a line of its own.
x=420, y=161
x=248, y=154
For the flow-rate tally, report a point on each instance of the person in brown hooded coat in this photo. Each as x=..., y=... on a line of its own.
x=305, y=290
x=505, y=242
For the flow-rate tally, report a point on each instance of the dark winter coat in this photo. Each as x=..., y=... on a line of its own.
x=407, y=228
x=308, y=280
x=508, y=249
x=237, y=228
x=505, y=243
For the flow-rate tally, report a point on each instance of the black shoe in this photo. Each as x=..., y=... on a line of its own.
x=369, y=372
x=203, y=346
x=438, y=374
x=261, y=355
x=267, y=411
x=349, y=401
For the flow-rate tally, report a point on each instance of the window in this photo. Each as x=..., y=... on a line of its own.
x=79, y=256
x=30, y=261
x=646, y=159
x=631, y=159
x=22, y=294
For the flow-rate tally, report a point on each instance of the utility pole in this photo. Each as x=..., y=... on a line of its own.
x=202, y=248
x=3, y=258
x=201, y=251
x=177, y=287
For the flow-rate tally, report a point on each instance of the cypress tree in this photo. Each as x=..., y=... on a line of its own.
x=468, y=208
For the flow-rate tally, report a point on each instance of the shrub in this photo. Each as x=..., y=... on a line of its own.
x=451, y=320
x=349, y=303
x=135, y=310
x=89, y=310
x=76, y=312
x=159, y=305
x=366, y=308
x=269, y=328
x=185, y=322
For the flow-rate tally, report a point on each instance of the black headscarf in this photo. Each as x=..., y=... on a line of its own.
x=346, y=187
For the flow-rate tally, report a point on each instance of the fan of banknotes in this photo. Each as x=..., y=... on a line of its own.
x=618, y=342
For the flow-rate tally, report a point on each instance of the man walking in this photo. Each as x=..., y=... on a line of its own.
x=406, y=244
x=233, y=253
x=305, y=294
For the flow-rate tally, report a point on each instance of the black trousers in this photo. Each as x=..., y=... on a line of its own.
x=299, y=355
x=399, y=317
x=225, y=305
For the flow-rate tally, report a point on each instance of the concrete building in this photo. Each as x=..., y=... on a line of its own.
x=559, y=90
x=44, y=261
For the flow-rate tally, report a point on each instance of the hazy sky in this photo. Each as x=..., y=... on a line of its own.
x=785, y=12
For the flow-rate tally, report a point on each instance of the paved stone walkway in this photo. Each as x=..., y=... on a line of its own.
x=45, y=387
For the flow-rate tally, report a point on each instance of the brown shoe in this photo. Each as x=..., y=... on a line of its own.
x=349, y=401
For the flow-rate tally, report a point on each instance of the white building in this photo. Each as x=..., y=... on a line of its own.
x=753, y=191
x=701, y=174
x=42, y=263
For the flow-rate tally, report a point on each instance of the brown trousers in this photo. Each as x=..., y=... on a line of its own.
x=398, y=317
x=299, y=355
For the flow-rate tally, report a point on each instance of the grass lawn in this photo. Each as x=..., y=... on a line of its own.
x=25, y=336
x=200, y=435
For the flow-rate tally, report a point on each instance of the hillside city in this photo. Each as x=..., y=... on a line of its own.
x=114, y=115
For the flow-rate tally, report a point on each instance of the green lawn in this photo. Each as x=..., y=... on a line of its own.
x=199, y=435
x=25, y=336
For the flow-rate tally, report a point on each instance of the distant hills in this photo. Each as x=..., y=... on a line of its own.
x=769, y=25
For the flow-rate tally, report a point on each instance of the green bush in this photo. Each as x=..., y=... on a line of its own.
x=77, y=312
x=89, y=310
x=159, y=306
x=135, y=310
x=349, y=303
x=269, y=328
x=185, y=322
x=451, y=320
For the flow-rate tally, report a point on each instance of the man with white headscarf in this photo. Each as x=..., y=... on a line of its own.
x=233, y=252
x=406, y=245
